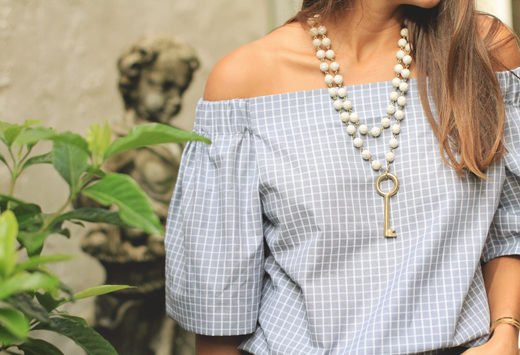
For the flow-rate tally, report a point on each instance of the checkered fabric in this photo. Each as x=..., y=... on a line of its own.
x=276, y=228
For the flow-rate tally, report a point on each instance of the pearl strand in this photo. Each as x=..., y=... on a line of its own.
x=338, y=92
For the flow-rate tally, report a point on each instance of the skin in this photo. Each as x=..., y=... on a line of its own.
x=365, y=46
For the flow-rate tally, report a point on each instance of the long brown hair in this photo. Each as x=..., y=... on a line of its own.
x=460, y=66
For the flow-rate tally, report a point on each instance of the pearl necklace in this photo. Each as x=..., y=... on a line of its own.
x=338, y=94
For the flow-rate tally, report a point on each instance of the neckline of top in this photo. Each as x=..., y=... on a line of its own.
x=351, y=87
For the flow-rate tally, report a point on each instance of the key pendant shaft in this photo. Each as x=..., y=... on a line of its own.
x=389, y=232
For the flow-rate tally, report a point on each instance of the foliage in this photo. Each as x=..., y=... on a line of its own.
x=30, y=295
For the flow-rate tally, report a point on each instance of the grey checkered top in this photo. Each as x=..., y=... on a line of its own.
x=276, y=229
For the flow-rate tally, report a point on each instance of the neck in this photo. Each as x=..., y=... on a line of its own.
x=364, y=29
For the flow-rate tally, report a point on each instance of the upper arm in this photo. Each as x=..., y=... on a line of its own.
x=501, y=42
x=237, y=74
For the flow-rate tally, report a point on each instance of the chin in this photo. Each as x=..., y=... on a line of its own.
x=427, y=4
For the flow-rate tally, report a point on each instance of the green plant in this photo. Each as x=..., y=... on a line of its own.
x=30, y=295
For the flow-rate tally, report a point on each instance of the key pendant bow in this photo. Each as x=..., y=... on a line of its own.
x=389, y=232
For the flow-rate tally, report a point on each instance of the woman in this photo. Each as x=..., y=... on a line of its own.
x=360, y=215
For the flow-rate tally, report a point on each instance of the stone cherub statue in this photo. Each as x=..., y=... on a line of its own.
x=154, y=74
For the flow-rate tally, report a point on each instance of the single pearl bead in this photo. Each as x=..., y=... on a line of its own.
x=351, y=129
x=402, y=43
x=322, y=30
x=338, y=104
x=342, y=92
x=404, y=32
x=401, y=101
x=403, y=87
x=375, y=131
x=363, y=129
x=330, y=54
x=334, y=66
x=396, y=82
x=329, y=79
x=389, y=157
x=376, y=164
x=405, y=73
x=407, y=47
x=394, y=95
x=385, y=122
x=407, y=59
x=326, y=42
x=345, y=116
x=390, y=109
x=311, y=21
x=358, y=142
x=314, y=31
x=324, y=66
x=400, y=54
x=393, y=142
x=333, y=92
x=347, y=105
x=396, y=128
x=399, y=115
x=398, y=68
x=338, y=79
x=320, y=54
x=316, y=42
x=366, y=154
x=354, y=117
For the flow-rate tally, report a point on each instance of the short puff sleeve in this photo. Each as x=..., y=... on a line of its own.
x=504, y=233
x=214, y=236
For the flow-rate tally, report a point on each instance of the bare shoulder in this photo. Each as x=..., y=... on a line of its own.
x=234, y=74
x=501, y=41
x=248, y=70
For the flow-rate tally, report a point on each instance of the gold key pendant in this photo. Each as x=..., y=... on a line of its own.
x=389, y=232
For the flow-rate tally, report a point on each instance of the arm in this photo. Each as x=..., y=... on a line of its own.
x=503, y=289
x=217, y=345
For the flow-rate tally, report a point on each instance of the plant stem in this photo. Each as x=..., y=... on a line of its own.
x=11, y=184
x=51, y=218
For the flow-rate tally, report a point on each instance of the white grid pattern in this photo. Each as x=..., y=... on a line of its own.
x=276, y=229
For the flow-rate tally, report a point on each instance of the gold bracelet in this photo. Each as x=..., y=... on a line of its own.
x=509, y=320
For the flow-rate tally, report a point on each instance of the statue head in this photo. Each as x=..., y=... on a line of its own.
x=154, y=73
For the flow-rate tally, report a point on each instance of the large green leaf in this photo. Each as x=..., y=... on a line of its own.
x=70, y=161
x=25, y=303
x=8, y=232
x=25, y=281
x=83, y=335
x=29, y=216
x=9, y=132
x=31, y=136
x=91, y=214
x=36, y=261
x=134, y=205
x=99, y=290
x=48, y=301
x=33, y=346
x=150, y=134
x=33, y=241
x=71, y=138
x=14, y=322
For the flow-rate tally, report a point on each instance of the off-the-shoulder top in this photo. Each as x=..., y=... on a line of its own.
x=275, y=229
